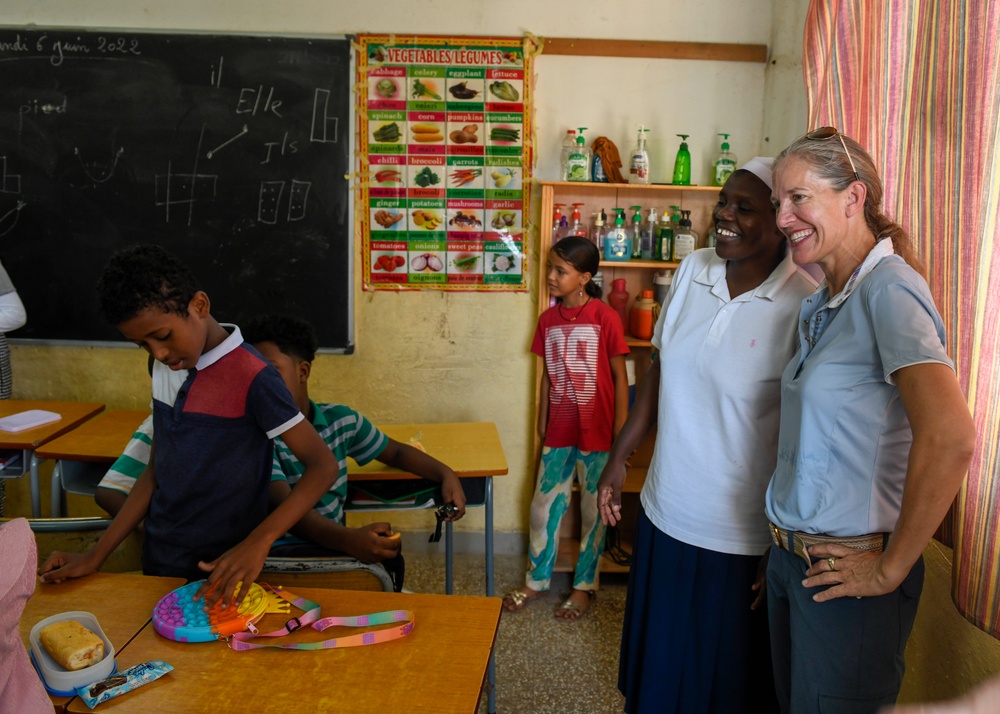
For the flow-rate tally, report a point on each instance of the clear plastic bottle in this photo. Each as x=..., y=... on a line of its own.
x=568, y=144
x=599, y=231
x=578, y=163
x=635, y=232
x=576, y=227
x=638, y=163
x=724, y=164
x=665, y=239
x=647, y=235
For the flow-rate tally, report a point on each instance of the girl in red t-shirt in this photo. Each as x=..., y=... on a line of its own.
x=583, y=405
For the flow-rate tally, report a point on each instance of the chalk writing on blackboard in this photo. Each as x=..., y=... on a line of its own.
x=225, y=149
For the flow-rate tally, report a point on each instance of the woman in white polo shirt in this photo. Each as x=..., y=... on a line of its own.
x=875, y=438
x=695, y=636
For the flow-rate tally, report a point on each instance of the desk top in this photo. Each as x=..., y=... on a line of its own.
x=471, y=449
x=122, y=603
x=439, y=667
x=102, y=438
x=73, y=413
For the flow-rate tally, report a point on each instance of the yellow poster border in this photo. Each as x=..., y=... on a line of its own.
x=362, y=213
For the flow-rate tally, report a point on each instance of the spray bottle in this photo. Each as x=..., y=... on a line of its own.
x=725, y=164
x=682, y=164
x=638, y=163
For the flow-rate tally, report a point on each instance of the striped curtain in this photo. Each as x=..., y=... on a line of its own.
x=918, y=84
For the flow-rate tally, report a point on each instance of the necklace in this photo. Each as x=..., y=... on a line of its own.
x=579, y=311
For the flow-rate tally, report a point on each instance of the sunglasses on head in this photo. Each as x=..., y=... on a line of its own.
x=828, y=132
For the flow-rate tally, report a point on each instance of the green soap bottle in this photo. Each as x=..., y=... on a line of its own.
x=682, y=164
x=725, y=164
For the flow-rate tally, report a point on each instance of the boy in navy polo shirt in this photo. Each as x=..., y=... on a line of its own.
x=217, y=405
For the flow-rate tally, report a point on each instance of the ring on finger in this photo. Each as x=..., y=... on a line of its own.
x=830, y=561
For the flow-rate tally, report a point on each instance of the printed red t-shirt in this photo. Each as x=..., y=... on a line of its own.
x=578, y=356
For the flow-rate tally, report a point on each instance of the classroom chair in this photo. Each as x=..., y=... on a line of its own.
x=79, y=477
x=340, y=572
x=79, y=534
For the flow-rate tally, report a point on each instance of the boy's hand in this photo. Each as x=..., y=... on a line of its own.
x=240, y=564
x=453, y=493
x=59, y=566
x=373, y=543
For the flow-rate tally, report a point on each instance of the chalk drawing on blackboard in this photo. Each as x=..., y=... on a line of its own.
x=183, y=190
x=9, y=183
x=297, y=198
x=217, y=77
x=270, y=200
x=9, y=219
x=227, y=142
x=321, y=119
x=109, y=171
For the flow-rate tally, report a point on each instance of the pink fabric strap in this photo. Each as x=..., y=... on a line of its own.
x=311, y=617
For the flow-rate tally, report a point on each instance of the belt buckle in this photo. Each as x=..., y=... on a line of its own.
x=776, y=535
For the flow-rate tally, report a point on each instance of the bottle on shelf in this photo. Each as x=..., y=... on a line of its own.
x=642, y=316
x=685, y=239
x=724, y=164
x=557, y=218
x=638, y=163
x=563, y=230
x=597, y=172
x=647, y=235
x=578, y=163
x=665, y=239
x=616, y=243
x=598, y=232
x=635, y=232
x=576, y=227
x=618, y=299
x=682, y=164
x=568, y=144
x=710, y=237
x=661, y=285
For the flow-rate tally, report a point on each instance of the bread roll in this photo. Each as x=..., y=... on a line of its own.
x=71, y=644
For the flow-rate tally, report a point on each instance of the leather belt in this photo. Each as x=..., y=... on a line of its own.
x=796, y=543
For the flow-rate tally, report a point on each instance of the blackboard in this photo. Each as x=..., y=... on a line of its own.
x=230, y=151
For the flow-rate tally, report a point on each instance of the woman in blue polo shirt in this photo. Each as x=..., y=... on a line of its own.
x=875, y=438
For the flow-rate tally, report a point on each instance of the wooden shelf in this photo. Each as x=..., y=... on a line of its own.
x=647, y=264
x=654, y=49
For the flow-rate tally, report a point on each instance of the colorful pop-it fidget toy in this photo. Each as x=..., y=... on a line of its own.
x=178, y=616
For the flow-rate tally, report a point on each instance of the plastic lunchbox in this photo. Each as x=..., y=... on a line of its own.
x=58, y=680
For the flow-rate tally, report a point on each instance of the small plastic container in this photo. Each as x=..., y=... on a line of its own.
x=642, y=316
x=58, y=680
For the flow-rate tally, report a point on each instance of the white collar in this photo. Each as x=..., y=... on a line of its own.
x=882, y=249
x=714, y=275
x=229, y=344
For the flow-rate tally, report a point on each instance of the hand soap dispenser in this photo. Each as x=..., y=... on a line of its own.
x=578, y=163
x=638, y=163
x=617, y=246
x=725, y=164
x=635, y=232
x=685, y=240
x=682, y=164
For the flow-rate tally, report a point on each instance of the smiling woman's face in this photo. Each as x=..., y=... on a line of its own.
x=744, y=219
x=808, y=211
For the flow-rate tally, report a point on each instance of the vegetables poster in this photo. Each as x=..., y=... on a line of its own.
x=444, y=128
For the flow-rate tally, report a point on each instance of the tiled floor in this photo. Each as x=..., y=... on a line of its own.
x=543, y=665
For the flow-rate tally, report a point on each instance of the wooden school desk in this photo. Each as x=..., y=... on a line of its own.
x=122, y=603
x=472, y=450
x=437, y=668
x=100, y=440
x=73, y=414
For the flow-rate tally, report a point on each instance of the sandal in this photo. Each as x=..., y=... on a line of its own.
x=572, y=610
x=518, y=599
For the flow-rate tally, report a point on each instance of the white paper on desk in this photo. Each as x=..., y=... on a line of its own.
x=28, y=420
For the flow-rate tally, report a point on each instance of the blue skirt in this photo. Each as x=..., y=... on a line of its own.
x=690, y=642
